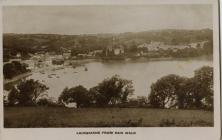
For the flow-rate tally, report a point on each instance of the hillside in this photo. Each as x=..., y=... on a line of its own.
x=30, y=43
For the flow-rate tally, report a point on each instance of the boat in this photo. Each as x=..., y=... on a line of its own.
x=42, y=72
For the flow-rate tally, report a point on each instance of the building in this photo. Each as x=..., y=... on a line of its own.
x=160, y=46
x=58, y=61
x=118, y=50
x=197, y=44
x=115, y=50
x=30, y=63
x=71, y=105
x=82, y=55
x=18, y=55
x=66, y=54
x=97, y=52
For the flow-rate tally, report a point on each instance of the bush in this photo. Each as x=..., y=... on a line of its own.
x=26, y=92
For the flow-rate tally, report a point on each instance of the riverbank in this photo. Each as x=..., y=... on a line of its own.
x=16, y=78
x=27, y=74
x=138, y=58
x=23, y=117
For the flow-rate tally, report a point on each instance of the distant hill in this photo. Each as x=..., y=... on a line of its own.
x=30, y=43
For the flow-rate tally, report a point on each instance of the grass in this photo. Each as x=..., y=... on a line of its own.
x=39, y=117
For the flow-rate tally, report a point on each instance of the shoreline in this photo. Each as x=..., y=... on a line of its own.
x=16, y=78
x=205, y=57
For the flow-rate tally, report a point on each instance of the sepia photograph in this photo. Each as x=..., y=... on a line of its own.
x=81, y=66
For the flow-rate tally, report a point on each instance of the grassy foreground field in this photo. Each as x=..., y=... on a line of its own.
x=23, y=117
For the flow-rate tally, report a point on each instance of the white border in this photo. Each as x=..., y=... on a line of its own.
x=152, y=133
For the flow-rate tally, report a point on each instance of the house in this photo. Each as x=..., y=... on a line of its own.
x=109, y=50
x=66, y=54
x=38, y=59
x=118, y=50
x=41, y=50
x=57, y=61
x=197, y=44
x=30, y=63
x=71, y=105
x=150, y=47
x=18, y=55
x=154, y=46
x=159, y=46
x=115, y=50
x=97, y=52
x=82, y=55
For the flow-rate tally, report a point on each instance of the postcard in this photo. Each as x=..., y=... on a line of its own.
x=110, y=70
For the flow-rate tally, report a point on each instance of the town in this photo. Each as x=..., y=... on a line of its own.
x=43, y=58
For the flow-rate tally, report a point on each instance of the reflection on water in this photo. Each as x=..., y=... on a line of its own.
x=142, y=73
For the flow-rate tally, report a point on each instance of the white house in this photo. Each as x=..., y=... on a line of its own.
x=71, y=105
x=82, y=55
x=18, y=55
x=118, y=51
x=96, y=52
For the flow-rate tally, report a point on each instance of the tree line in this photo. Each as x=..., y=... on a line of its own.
x=171, y=91
x=13, y=69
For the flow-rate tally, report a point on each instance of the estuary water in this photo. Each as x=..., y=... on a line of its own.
x=142, y=72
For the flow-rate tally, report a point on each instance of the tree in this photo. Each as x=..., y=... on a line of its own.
x=184, y=93
x=112, y=90
x=94, y=96
x=9, y=71
x=14, y=68
x=13, y=96
x=164, y=92
x=77, y=94
x=204, y=87
x=26, y=92
x=208, y=47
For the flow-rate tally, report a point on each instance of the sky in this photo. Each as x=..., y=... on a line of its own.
x=73, y=20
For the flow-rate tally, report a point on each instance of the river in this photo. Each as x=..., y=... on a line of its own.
x=142, y=72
